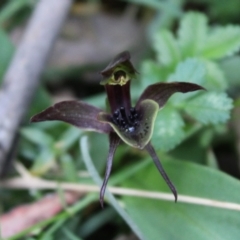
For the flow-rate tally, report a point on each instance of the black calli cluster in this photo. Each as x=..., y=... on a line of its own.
x=127, y=123
x=123, y=122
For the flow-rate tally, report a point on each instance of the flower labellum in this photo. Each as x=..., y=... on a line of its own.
x=124, y=123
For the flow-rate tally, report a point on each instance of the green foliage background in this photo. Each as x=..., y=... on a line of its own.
x=201, y=49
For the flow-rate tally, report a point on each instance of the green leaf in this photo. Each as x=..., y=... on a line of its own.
x=192, y=33
x=70, y=235
x=41, y=100
x=222, y=42
x=166, y=47
x=151, y=72
x=205, y=73
x=210, y=107
x=150, y=3
x=171, y=8
x=97, y=221
x=97, y=179
x=69, y=169
x=190, y=150
x=168, y=129
x=6, y=52
x=12, y=7
x=168, y=220
x=37, y=136
x=44, y=162
x=69, y=138
x=191, y=70
x=99, y=144
x=215, y=79
x=222, y=12
x=231, y=69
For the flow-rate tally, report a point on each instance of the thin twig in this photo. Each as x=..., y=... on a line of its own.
x=37, y=183
x=22, y=76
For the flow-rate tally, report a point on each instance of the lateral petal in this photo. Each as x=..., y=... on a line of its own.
x=161, y=92
x=77, y=113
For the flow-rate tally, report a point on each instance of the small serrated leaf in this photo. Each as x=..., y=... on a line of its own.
x=191, y=70
x=210, y=107
x=215, y=79
x=192, y=33
x=224, y=41
x=168, y=130
x=166, y=47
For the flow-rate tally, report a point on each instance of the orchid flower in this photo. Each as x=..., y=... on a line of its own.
x=123, y=123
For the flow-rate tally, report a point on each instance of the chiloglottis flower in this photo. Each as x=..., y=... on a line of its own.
x=123, y=122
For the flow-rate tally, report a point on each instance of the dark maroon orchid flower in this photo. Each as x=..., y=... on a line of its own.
x=132, y=125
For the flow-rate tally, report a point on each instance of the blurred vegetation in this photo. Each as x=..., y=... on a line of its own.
x=196, y=135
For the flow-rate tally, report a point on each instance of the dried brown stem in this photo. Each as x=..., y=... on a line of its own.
x=22, y=76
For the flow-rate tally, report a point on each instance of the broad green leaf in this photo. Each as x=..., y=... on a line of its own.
x=166, y=47
x=210, y=107
x=192, y=33
x=6, y=52
x=168, y=129
x=168, y=220
x=215, y=79
x=195, y=148
x=190, y=150
x=190, y=70
x=222, y=42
